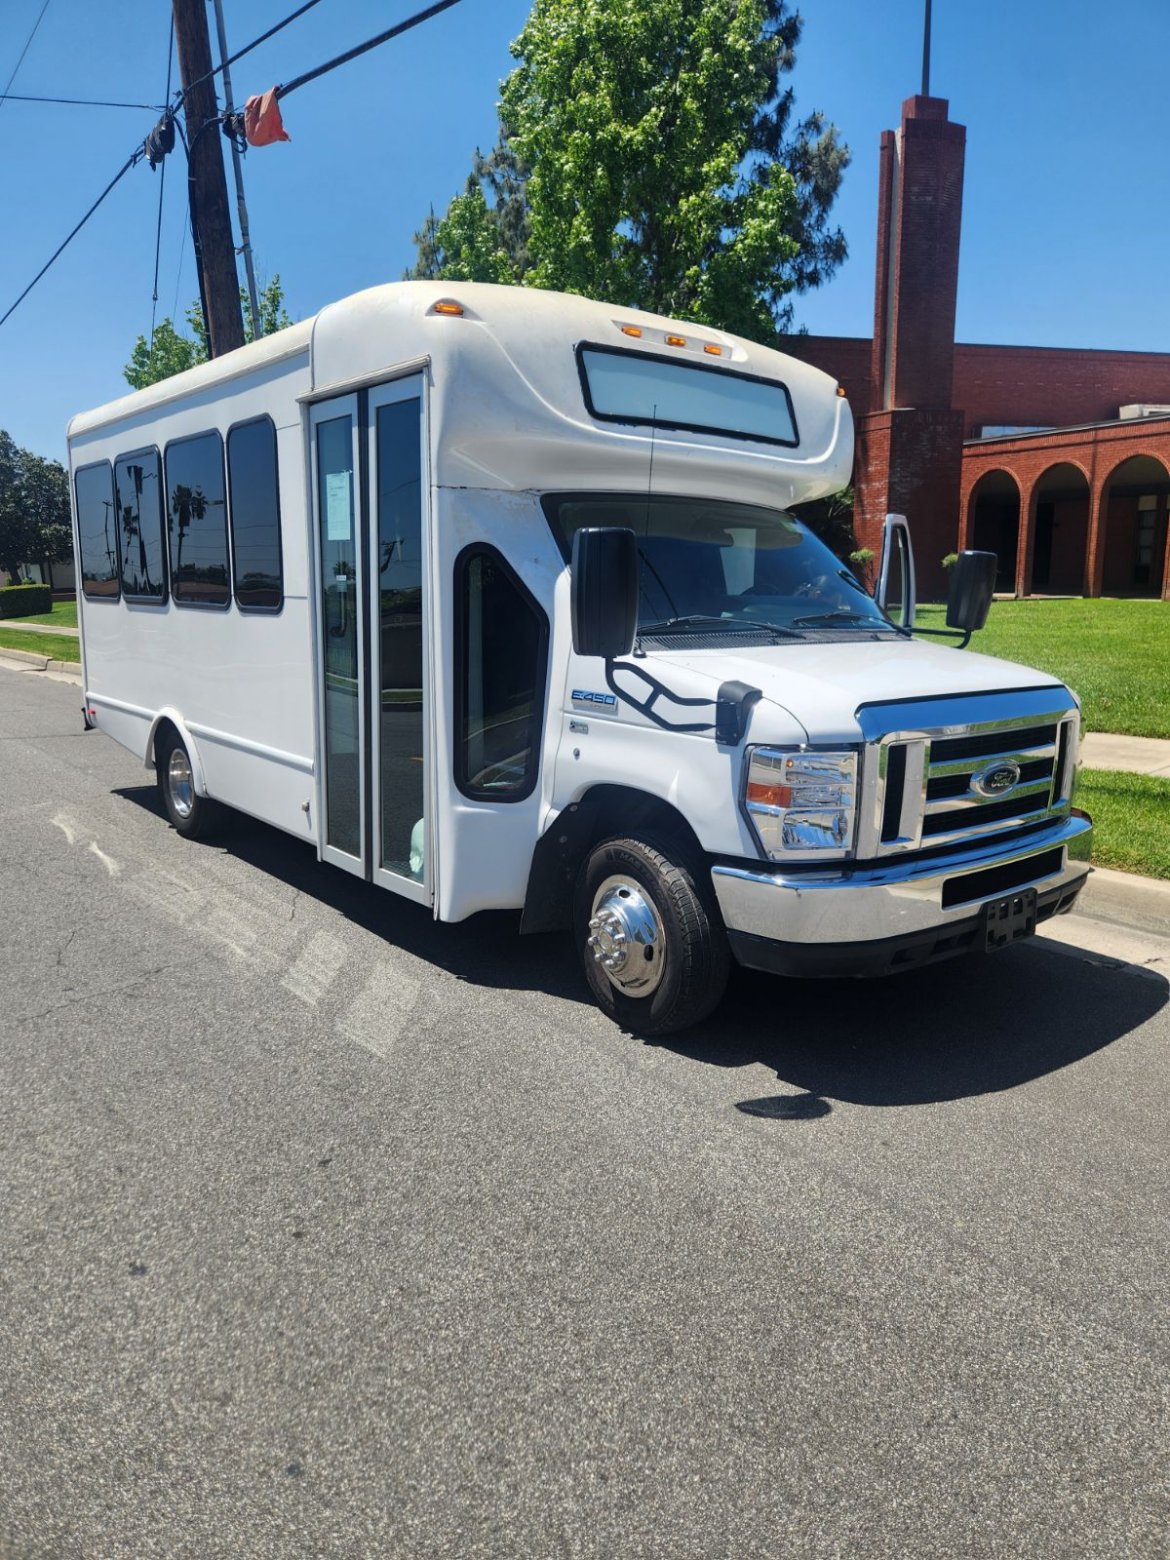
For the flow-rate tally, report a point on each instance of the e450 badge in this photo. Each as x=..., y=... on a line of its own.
x=598, y=703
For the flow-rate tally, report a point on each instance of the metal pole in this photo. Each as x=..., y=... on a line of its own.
x=925, y=53
x=238, y=168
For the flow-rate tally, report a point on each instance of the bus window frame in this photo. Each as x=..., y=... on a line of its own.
x=200, y=606
x=164, y=530
x=630, y=420
x=91, y=465
x=463, y=562
x=247, y=422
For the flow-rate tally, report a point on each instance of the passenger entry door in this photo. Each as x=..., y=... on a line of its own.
x=371, y=544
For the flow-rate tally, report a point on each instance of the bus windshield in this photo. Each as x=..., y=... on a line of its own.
x=710, y=565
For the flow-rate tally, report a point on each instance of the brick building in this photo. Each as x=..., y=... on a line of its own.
x=1057, y=460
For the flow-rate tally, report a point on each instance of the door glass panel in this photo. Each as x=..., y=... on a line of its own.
x=399, y=637
x=339, y=623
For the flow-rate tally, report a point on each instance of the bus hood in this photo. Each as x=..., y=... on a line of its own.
x=822, y=686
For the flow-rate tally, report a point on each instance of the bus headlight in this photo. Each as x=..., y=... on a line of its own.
x=802, y=803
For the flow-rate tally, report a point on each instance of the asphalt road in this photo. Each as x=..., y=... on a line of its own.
x=325, y=1231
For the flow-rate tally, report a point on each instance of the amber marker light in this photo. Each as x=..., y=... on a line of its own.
x=769, y=794
x=676, y=341
x=446, y=307
x=712, y=350
x=631, y=330
x=841, y=391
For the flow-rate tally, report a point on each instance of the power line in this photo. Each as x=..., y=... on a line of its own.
x=299, y=81
x=135, y=157
x=255, y=44
x=24, y=51
x=24, y=97
x=364, y=48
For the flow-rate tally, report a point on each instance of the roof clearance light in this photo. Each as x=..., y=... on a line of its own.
x=631, y=330
x=712, y=350
x=676, y=341
x=445, y=306
x=841, y=391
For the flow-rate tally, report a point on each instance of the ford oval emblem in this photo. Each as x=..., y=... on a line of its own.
x=997, y=779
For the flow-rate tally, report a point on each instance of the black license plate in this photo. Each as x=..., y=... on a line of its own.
x=1008, y=919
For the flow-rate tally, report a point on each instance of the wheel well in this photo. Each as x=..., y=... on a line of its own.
x=602, y=813
x=164, y=726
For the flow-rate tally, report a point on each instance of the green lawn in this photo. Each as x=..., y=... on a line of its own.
x=57, y=646
x=1114, y=654
x=63, y=615
x=1131, y=820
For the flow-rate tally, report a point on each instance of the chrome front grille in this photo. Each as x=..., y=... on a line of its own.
x=952, y=770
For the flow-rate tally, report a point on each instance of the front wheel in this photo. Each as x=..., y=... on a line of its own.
x=653, y=947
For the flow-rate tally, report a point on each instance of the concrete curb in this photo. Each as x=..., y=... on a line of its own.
x=1127, y=900
x=25, y=658
x=29, y=661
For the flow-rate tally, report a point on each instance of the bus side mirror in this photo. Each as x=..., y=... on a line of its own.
x=604, y=575
x=971, y=589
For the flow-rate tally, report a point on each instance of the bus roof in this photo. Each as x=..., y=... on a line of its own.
x=341, y=331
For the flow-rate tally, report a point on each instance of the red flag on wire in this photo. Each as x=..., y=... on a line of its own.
x=262, y=121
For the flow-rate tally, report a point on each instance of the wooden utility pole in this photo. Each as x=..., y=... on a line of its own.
x=211, y=218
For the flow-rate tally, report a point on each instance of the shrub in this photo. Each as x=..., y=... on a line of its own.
x=862, y=561
x=950, y=560
x=25, y=600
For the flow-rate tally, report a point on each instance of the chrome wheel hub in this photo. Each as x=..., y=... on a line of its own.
x=627, y=938
x=180, y=786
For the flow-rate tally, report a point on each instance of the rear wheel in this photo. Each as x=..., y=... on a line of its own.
x=191, y=815
x=650, y=938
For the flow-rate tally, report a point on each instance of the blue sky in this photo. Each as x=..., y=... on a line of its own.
x=1066, y=215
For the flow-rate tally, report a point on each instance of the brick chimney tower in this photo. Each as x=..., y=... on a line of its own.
x=909, y=448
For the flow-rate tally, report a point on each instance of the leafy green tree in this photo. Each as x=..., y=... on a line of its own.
x=171, y=353
x=455, y=247
x=466, y=245
x=168, y=353
x=648, y=154
x=35, y=525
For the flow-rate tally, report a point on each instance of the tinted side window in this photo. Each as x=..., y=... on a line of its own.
x=97, y=531
x=255, y=503
x=197, y=521
x=138, y=481
x=501, y=657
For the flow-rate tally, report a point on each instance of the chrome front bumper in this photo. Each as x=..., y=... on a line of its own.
x=858, y=919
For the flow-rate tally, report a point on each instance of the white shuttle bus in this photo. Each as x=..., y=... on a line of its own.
x=493, y=597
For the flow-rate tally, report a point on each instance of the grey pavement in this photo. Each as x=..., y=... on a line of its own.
x=1141, y=755
x=328, y=1231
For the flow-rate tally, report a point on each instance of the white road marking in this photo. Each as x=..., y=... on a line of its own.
x=63, y=822
x=377, y=1016
x=315, y=968
x=112, y=867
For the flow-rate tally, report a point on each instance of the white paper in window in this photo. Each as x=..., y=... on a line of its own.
x=338, y=505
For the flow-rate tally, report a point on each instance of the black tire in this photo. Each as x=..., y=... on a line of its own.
x=191, y=815
x=696, y=960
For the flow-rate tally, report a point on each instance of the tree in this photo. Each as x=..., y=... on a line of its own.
x=465, y=246
x=455, y=248
x=647, y=155
x=34, y=509
x=170, y=353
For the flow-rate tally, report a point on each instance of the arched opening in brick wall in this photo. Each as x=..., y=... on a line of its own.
x=1060, y=531
x=1134, y=523
x=993, y=523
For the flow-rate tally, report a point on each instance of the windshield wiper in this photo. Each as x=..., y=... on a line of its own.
x=843, y=618
x=728, y=625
